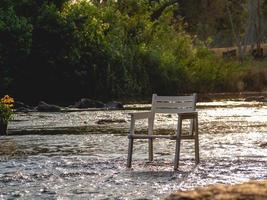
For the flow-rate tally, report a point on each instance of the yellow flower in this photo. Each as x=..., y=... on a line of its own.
x=7, y=100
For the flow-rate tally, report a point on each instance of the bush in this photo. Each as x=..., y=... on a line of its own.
x=114, y=50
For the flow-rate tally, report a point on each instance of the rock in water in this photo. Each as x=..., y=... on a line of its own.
x=256, y=98
x=109, y=121
x=89, y=103
x=114, y=105
x=19, y=104
x=23, y=109
x=254, y=190
x=45, y=107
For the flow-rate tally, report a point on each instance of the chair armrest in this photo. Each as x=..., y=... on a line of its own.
x=140, y=115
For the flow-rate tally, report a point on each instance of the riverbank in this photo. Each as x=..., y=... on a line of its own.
x=248, y=95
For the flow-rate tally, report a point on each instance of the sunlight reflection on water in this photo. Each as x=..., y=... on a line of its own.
x=92, y=166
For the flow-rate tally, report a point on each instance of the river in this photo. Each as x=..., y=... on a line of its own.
x=71, y=155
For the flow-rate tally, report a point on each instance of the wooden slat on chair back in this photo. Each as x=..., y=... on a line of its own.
x=173, y=104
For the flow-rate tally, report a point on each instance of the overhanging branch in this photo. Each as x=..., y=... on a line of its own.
x=157, y=13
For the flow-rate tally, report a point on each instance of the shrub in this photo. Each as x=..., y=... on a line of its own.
x=6, y=104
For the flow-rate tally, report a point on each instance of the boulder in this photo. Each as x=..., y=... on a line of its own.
x=254, y=190
x=114, y=105
x=88, y=103
x=263, y=145
x=19, y=104
x=256, y=98
x=109, y=121
x=23, y=109
x=45, y=107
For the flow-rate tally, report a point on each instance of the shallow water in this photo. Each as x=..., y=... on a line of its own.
x=91, y=164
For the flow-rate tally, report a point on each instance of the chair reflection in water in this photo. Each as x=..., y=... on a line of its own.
x=184, y=107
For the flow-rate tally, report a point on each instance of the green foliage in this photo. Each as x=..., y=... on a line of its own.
x=210, y=19
x=6, y=104
x=15, y=46
x=69, y=50
x=209, y=73
x=5, y=114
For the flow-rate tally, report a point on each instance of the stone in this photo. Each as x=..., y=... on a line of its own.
x=88, y=103
x=263, y=145
x=45, y=107
x=256, y=98
x=23, y=109
x=114, y=105
x=19, y=104
x=109, y=121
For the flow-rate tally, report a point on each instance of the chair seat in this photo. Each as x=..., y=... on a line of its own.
x=145, y=136
x=171, y=137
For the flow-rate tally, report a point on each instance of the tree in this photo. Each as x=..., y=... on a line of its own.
x=15, y=47
x=255, y=25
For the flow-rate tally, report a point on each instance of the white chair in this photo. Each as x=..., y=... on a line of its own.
x=184, y=107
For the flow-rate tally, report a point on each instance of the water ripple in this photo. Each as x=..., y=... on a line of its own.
x=92, y=166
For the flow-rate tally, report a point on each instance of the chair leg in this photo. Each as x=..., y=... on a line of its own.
x=192, y=127
x=130, y=153
x=150, y=140
x=150, y=149
x=196, y=141
x=178, y=144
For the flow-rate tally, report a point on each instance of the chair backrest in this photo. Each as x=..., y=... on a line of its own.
x=173, y=104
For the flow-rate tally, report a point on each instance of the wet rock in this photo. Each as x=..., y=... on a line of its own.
x=25, y=110
x=45, y=107
x=256, y=98
x=22, y=107
x=88, y=103
x=19, y=104
x=263, y=145
x=114, y=105
x=109, y=121
x=252, y=190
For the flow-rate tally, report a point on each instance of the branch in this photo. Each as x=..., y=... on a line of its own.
x=232, y=23
x=157, y=13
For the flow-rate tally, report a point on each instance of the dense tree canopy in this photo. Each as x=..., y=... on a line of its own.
x=63, y=50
